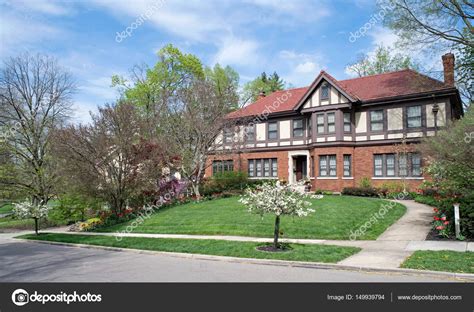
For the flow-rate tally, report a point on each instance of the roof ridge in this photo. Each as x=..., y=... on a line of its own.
x=387, y=73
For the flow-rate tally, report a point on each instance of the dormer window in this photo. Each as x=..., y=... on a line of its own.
x=324, y=91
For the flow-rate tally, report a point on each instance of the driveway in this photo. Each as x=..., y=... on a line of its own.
x=24, y=261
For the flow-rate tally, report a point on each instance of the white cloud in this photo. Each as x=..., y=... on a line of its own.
x=82, y=110
x=383, y=36
x=302, y=68
x=18, y=33
x=235, y=51
x=50, y=7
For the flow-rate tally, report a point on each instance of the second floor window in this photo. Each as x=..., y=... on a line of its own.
x=298, y=129
x=320, y=123
x=228, y=135
x=347, y=122
x=414, y=117
x=331, y=122
x=273, y=130
x=376, y=120
x=250, y=133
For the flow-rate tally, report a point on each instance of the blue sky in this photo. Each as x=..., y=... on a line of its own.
x=296, y=38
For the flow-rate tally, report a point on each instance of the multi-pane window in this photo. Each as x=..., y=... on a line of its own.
x=251, y=168
x=414, y=117
x=273, y=130
x=250, y=133
x=320, y=123
x=403, y=165
x=415, y=165
x=390, y=165
x=324, y=91
x=327, y=166
x=347, y=165
x=309, y=126
x=220, y=166
x=298, y=129
x=258, y=166
x=228, y=135
x=378, y=165
x=331, y=122
x=376, y=120
x=347, y=122
x=266, y=167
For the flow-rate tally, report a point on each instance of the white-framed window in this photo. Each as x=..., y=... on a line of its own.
x=320, y=123
x=347, y=122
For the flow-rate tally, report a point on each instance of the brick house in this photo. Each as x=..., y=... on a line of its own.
x=336, y=132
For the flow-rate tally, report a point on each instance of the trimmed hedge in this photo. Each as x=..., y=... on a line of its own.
x=361, y=191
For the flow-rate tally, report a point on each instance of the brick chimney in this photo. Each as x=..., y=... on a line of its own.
x=448, y=65
x=261, y=95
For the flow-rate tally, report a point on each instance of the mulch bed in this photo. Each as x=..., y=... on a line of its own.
x=433, y=236
x=270, y=248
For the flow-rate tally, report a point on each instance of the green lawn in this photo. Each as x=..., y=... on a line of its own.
x=448, y=261
x=334, y=218
x=313, y=253
x=12, y=224
x=6, y=208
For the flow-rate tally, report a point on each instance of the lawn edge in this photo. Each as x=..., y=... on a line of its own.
x=301, y=264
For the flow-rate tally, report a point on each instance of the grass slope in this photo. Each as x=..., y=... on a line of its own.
x=334, y=218
x=313, y=253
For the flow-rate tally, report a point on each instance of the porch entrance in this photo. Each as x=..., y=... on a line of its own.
x=300, y=167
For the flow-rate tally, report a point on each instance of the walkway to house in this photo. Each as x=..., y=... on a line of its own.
x=389, y=250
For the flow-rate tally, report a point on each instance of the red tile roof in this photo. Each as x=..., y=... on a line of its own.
x=399, y=83
x=369, y=88
x=279, y=101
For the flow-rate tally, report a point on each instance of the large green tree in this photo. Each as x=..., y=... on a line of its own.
x=382, y=61
x=263, y=83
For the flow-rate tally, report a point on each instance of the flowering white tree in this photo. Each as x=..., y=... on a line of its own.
x=277, y=199
x=28, y=210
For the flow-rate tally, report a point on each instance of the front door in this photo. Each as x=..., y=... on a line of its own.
x=300, y=167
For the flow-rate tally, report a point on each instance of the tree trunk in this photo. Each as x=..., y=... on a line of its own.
x=277, y=232
x=195, y=186
x=36, y=226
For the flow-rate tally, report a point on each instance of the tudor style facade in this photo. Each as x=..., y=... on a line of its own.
x=337, y=132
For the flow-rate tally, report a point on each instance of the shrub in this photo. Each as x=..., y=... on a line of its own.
x=361, y=191
x=445, y=206
x=365, y=183
x=72, y=208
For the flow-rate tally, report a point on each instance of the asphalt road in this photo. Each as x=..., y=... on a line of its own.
x=35, y=262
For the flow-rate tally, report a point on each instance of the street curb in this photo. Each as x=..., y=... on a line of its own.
x=310, y=265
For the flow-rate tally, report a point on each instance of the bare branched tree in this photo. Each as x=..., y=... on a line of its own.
x=194, y=119
x=35, y=97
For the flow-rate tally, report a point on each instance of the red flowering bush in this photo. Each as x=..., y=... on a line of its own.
x=441, y=223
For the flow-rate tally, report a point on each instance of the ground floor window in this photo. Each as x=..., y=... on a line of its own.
x=220, y=166
x=392, y=165
x=327, y=166
x=265, y=167
x=348, y=165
